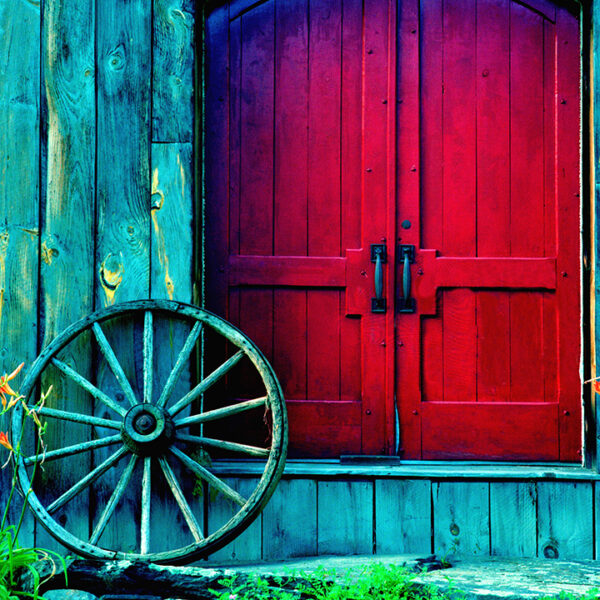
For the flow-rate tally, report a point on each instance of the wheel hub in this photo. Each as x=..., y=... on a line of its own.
x=147, y=430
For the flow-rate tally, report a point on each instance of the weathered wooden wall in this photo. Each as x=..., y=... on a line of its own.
x=96, y=176
x=354, y=511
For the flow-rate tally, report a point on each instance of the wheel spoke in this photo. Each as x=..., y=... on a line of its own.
x=220, y=413
x=87, y=480
x=109, y=509
x=85, y=384
x=181, y=501
x=180, y=363
x=146, y=497
x=233, y=446
x=114, y=364
x=208, y=476
x=75, y=449
x=76, y=417
x=148, y=355
x=207, y=382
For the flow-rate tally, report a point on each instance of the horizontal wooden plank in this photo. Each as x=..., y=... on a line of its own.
x=463, y=437
x=320, y=428
x=295, y=271
x=458, y=272
x=434, y=470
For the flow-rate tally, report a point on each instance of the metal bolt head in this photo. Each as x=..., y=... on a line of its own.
x=144, y=424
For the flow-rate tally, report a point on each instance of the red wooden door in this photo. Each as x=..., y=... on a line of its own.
x=451, y=126
x=488, y=365
x=299, y=178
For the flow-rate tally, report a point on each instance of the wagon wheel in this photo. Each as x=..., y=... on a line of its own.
x=150, y=431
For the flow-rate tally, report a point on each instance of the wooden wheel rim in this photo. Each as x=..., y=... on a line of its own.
x=274, y=465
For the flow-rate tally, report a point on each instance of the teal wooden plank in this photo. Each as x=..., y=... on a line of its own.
x=248, y=545
x=172, y=221
x=173, y=71
x=597, y=519
x=19, y=197
x=171, y=278
x=290, y=520
x=124, y=34
x=513, y=519
x=461, y=518
x=565, y=520
x=402, y=516
x=67, y=248
x=345, y=517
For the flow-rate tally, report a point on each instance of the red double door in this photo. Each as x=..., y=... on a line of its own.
x=443, y=136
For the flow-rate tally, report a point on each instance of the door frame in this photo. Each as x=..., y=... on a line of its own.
x=589, y=14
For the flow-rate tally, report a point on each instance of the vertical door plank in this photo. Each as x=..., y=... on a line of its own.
x=345, y=517
x=565, y=520
x=569, y=239
x=290, y=520
x=461, y=518
x=526, y=123
x=248, y=545
x=350, y=184
x=291, y=189
x=257, y=105
x=173, y=71
x=171, y=278
x=402, y=516
x=324, y=210
x=124, y=34
x=460, y=135
x=493, y=194
x=67, y=250
x=513, y=519
x=216, y=161
x=19, y=198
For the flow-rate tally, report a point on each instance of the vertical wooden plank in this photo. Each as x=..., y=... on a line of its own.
x=216, y=159
x=493, y=193
x=513, y=518
x=173, y=71
x=597, y=519
x=248, y=545
x=290, y=520
x=461, y=518
x=257, y=105
x=19, y=197
x=171, y=278
x=345, y=517
x=565, y=520
x=67, y=240
x=124, y=34
x=402, y=516
x=290, y=234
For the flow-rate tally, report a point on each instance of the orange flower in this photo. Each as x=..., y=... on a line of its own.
x=5, y=389
x=4, y=441
x=596, y=386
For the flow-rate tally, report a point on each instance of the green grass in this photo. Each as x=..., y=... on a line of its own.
x=383, y=582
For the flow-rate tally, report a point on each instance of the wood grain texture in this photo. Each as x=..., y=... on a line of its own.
x=597, y=521
x=67, y=237
x=171, y=263
x=246, y=546
x=345, y=517
x=513, y=519
x=462, y=519
x=402, y=516
x=290, y=520
x=19, y=200
x=124, y=34
x=173, y=51
x=565, y=520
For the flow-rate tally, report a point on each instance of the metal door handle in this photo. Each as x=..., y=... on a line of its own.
x=378, y=256
x=406, y=304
